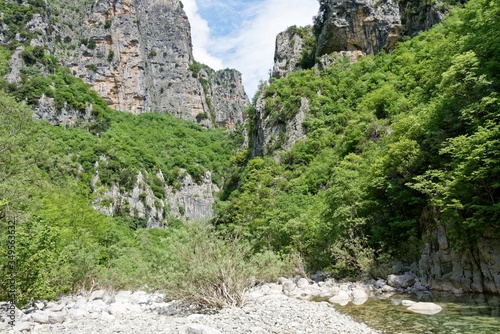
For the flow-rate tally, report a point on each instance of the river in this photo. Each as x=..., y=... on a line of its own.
x=461, y=314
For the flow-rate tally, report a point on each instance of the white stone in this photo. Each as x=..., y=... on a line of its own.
x=56, y=317
x=425, y=308
x=274, y=289
x=81, y=303
x=107, y=317
x=97, y=294
x=196, y=318
x=302, y=283
x=359, y=294
x=117, y=308
x=200, y=329
x=77, y=313
x=359, y=301
x=98, y=305
x=139, y=297
x=56, y=307
x=341, y=298
x=23, y=326
x=39, y=317
x=406, y=302
x=123, y=297
x=288, y=286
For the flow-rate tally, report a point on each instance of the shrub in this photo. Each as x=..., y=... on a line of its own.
x=210, y=270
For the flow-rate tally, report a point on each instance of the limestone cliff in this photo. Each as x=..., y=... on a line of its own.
x=270, y=134
x=225, y=96
x=137, y=54
x=470, y=267
x=293, y=50
x=365, y=25
x=371, y=25
x=189, y=201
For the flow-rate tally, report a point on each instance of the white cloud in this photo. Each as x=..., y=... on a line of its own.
x=250, y=46
x=201, y=36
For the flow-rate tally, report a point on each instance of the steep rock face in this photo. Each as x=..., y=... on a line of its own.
x=270, y=134
x=290, y=48
x=67, y=116
x=364, y=25
x=474, y=268
x=416, y=17
x=226, y=97
x=329, y=60
x=137, y=54
x=190, y=201
x=134, y=53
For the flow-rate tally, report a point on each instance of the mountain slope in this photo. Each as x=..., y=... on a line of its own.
x=396, y=160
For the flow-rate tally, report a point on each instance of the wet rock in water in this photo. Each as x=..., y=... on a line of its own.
x=359, y=296
x=425, y=308
x=406, y=302
x=342, y=298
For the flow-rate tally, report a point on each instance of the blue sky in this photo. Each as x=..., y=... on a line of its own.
x=241, y=33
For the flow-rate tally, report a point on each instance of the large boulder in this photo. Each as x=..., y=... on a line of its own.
x=401, y=281
x=425, y=308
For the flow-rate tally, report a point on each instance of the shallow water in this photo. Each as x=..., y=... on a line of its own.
x=464, y=314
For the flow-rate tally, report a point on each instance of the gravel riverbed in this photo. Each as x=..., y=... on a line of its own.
x=268, y=309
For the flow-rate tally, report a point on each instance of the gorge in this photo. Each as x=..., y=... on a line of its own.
x=371, y=151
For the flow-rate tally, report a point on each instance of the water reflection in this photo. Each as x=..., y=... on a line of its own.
x=461, y=314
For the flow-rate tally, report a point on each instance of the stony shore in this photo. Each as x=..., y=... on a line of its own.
x=283, y=307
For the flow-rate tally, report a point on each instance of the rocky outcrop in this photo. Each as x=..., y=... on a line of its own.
x=330, y=59
x=345, y=28
x=225, y=96
x=371, y=25
x=365, y=25
x=291, y=47
x=46, y=109
x=475, y=268
x=137, y=55
x=188, y=201
x=270, y=134
x=418, y=16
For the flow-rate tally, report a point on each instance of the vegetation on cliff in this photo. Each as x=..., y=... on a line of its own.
x=393, y=142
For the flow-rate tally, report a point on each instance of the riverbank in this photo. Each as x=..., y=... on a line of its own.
x=268, y=309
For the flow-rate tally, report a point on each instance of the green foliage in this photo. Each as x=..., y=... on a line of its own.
x=195, y=68
x=213, y=271
x=14, y=17
x=389, y=139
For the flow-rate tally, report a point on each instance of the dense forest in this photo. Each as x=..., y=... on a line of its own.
x=395, y=142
